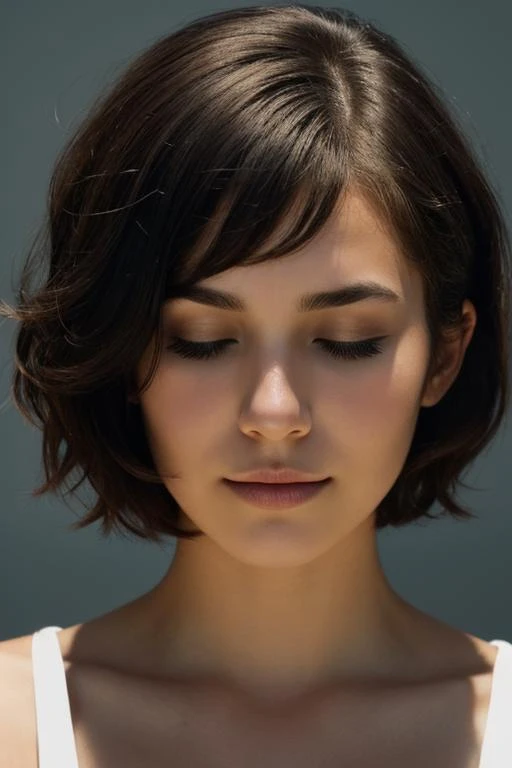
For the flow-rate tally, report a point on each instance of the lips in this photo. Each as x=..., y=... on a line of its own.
x=277, y=495
x=284, y=475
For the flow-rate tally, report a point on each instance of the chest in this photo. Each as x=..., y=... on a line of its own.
x=143, y=724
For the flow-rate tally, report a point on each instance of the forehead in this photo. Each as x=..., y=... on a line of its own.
x=353, y=245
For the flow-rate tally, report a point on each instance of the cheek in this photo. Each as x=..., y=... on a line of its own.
x=371, y=419
x=382, y=398
x=179, y=409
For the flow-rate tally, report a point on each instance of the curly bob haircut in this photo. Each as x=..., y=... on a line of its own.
x=186, y=167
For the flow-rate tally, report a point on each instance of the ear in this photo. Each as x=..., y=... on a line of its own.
x=450, y=357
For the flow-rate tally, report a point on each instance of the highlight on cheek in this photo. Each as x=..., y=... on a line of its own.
x=344, y=350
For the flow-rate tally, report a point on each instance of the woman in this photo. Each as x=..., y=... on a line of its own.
x=274, y=321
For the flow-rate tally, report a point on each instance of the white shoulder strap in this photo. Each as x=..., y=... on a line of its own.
x=55, y=738
x=497, y=746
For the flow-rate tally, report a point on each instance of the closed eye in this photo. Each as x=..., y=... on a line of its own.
x=346, y=350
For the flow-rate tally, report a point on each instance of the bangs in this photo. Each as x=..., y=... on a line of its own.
x=261, y=184
x=252, y=224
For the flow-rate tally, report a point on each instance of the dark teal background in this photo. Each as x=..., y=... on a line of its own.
x=55, y=58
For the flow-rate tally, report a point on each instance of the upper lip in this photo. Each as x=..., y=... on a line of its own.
x=284, y=475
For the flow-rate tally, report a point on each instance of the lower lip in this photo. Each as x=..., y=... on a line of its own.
x=277, y=495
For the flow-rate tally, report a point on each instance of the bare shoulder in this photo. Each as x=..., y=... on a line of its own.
x=18, y=747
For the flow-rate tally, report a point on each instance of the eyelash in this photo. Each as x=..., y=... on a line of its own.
x=353, y=350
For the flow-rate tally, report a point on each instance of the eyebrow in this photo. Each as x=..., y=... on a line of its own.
x=338, y=297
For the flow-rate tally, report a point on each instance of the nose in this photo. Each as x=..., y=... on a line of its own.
x=274, y=410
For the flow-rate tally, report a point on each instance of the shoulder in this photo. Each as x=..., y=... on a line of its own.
x=18, y=740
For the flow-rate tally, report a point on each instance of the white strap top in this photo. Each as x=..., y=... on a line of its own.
x=55, y=737
x=56, y=742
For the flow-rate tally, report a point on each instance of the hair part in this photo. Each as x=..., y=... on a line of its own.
x=243, y=124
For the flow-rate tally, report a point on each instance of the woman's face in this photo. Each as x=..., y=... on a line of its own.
x=277, y=392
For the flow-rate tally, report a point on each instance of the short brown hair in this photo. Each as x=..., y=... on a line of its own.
x=250, y=111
